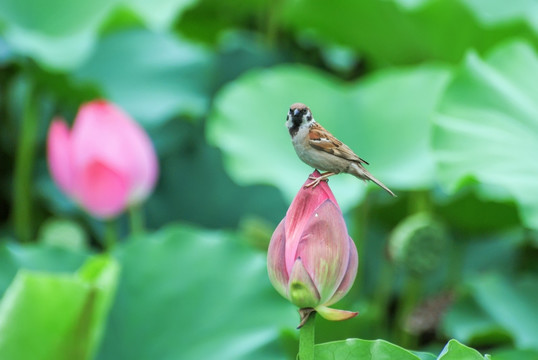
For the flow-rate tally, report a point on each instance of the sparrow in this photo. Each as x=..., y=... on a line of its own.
x=320, y=149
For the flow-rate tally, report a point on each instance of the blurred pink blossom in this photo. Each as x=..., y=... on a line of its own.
x=105, y=163
x=312, y=261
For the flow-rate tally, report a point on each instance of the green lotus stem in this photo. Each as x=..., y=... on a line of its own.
x=307, y=337
x=271, y=18
x=411, y=294
x=420, y=201
x=136, y=219
x=24, y=163
x=381, y=299
x=110, y=235
x=361, y=215
x=455, y=265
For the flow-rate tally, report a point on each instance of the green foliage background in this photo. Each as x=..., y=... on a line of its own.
x=440, y=96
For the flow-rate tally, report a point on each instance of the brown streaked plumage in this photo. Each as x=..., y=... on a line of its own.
x=323, y=140
x=320, y=149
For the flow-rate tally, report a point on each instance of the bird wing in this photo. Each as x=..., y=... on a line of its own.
x=321, y=139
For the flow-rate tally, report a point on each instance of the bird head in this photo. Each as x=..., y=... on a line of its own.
x=297, y=115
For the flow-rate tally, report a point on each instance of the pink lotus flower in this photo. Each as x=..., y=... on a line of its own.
x=105, y=163
x=312, y=261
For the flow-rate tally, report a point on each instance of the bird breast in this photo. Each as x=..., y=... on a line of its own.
x=318, y=159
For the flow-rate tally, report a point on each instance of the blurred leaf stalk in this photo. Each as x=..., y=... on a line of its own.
x=24, y=165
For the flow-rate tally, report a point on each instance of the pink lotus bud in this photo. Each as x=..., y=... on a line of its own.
x=312, y=261
x=105, y=163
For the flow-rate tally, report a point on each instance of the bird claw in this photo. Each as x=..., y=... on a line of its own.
x=313, y=184
x=316, y=181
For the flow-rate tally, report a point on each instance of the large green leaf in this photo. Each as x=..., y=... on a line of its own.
x=487, y=127
x=382, y=350
x=211, y=197
x=362, y=349
x=56, y=33
x=193, y=294
x=14, y=256
x=408, y=31
x=159, y=14
x=379, y=118
x=488, y=253
x=457, y=351
x=61, y=34
x=468, y=322
x=512, y=304
x=153, y=76
x=498, y=310
x=513, y=354
x=459, y=211
x=211, y=20
x=50, y=316
x=424, y=355
x=499, y=12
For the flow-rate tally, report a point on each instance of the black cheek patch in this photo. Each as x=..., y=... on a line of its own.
x=293, y=130
x=308, y=118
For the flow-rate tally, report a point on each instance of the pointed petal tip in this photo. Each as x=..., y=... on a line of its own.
x=322, y=191
x=99, y=102
x=335, y=314
x=315, y=173
x=58, y=119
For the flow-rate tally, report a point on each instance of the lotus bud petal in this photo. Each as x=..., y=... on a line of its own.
x=325, y=248
x=311, y=260
x=60, y=155
x=349, y=276
x=105, y=163
x=302, y=291
x=276, y=265
x=335, y=314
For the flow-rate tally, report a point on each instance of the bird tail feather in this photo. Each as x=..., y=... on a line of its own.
x=360, y=172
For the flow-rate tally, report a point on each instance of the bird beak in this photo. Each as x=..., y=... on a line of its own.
x=296, y=112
